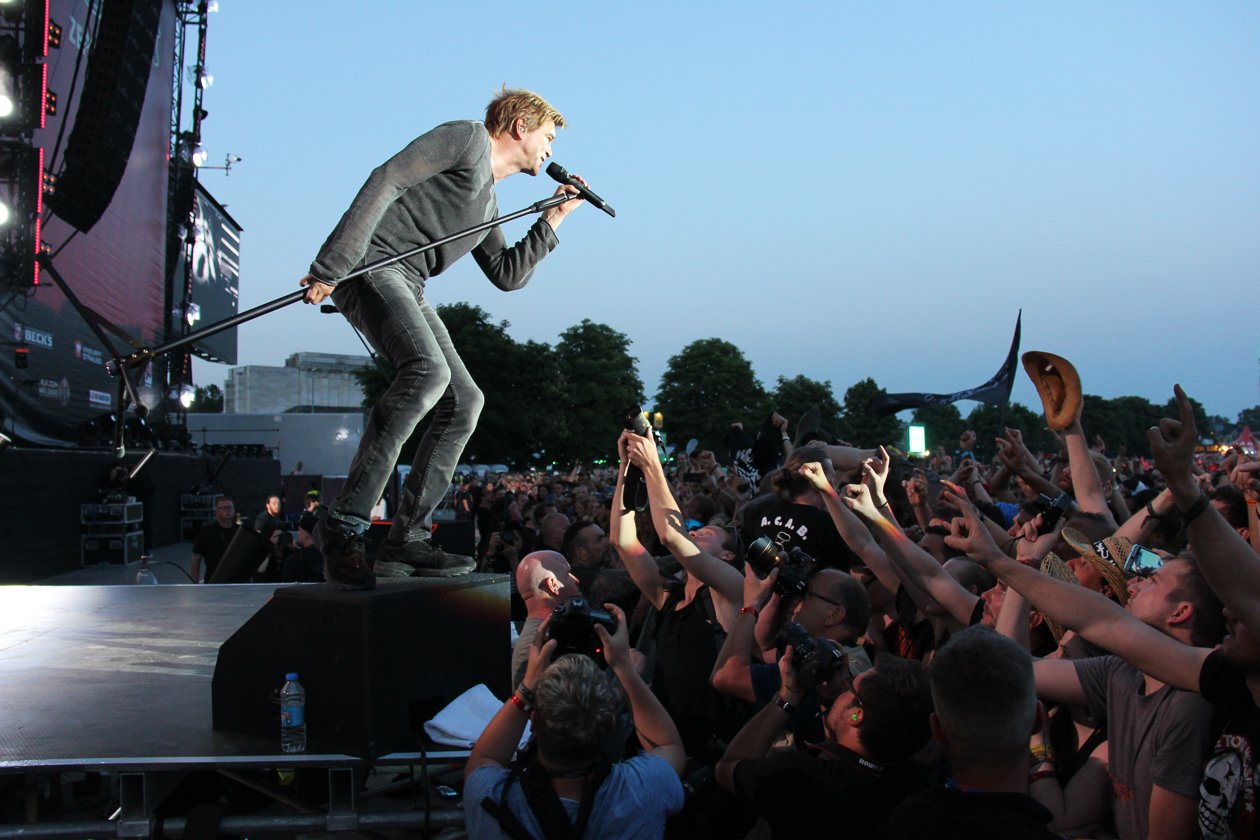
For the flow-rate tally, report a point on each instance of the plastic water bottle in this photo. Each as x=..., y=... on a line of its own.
x=145, y=574
x=292, y=715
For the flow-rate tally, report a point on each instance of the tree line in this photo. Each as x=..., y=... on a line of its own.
x=565, y=403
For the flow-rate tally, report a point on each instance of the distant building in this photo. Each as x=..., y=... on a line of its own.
x=317, y=382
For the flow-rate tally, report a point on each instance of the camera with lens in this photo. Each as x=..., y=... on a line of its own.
x=573, y=627
x=1051, y=510
x=815, y=660
x=795, y=566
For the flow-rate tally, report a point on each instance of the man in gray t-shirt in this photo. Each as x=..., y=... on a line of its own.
x=442, y=183
x=1155, y=741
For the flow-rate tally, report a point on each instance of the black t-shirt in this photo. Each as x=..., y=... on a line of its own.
x=791, y=525
x=210, y=543
x=906, y=637
x=807, y=795
x=687, y=645
x=944, y=813
x=1228, y=794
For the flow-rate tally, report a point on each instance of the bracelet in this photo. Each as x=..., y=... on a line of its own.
x=527, y=694
x=783, y=704
x=1197, y=508
x=1151, y=514
x=516, y=701
x=1044, y=774
x=753, y=611
x=786, y=438
x=1251, y=502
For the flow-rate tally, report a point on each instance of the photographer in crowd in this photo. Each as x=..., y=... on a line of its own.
x=851, y=781
x=567, y=786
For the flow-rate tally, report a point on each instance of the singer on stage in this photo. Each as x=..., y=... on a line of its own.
x=442, y=183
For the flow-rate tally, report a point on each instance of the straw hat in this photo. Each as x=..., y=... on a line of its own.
x=1054, y=566
x=1058, y=385
x=1107, y=556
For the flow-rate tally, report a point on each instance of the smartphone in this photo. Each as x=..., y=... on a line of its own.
x=1142, y=561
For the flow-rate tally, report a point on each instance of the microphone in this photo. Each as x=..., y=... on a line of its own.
x=562, y=175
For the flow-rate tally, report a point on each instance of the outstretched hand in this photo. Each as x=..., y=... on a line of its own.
x=617, y=643
x=1173, y=442
x=814, y=473
x=875, y=472
x=967, y=533
x=859, y=500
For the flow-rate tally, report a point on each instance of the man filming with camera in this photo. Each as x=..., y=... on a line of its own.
x=853, y=779
x=567, y=785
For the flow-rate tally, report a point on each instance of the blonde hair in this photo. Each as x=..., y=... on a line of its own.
x=576, y=709
x=508, y=105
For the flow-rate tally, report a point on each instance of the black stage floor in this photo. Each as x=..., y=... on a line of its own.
x=119, y=677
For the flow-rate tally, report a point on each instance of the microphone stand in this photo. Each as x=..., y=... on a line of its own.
x=118, y=364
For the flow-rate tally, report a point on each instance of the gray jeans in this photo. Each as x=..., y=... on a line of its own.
x=394, y=317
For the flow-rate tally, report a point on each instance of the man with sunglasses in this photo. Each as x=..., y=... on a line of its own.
x=852, y=780
x=1228, y=674
x=1158, y=730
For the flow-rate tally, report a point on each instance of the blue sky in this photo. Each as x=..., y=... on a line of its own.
x=841, y=189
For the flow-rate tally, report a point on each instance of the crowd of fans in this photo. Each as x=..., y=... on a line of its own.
x=813, y=639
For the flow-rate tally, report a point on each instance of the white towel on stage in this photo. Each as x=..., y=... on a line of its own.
x=461, y=723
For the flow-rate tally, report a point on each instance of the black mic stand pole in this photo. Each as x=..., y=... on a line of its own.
x=143, y=354
x=118, y=365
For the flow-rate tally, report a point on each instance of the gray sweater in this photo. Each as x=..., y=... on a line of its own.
x=440, y=184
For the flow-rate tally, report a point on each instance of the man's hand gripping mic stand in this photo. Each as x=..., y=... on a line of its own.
x=119, y=364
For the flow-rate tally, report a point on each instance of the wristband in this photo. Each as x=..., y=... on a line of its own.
x=783, y=704
x=788, y=439
x=1040, y=752
x=519, y=703
x=527, y=695
x=1044, y=774
x=1251, y=502
x=753, y=611
x=1197, y=508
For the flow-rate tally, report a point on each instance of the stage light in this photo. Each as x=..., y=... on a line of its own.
x=5, y=212
x=204, y=79
x=192, y=313
x=187, y=394
x=199, y=155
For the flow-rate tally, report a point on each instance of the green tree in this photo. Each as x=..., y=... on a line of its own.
x=793, y=397
x=1249, y=417
x=942, y=425
x=512, y=377
x=706, y=387
x=1119, y=421
x=862, y=428
x=989, y=421
x=600, y=381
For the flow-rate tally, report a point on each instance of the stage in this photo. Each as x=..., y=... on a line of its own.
x=117, y=680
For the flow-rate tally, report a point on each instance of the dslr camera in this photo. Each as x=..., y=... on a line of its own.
x=573, y=627
x=795, y=566
x=814, y=660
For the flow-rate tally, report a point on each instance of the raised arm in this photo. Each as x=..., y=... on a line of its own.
x=1228, y=563
x=732, y=671
x=653, y=725
x=624, y=535
x=1086, y=485
x=851, y=529
x=723, y=580
x=1093, y=616
x=920, y=568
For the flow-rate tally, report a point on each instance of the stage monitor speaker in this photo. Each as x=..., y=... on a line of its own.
x=243, y=555
x=105, y=124
x=375, y=665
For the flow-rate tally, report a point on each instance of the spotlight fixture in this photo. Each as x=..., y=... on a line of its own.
x=199, y=155
x=204, y=79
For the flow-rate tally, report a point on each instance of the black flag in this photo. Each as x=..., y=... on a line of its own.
x=997, y=391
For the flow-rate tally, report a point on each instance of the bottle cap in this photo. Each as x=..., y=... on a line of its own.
x=291, y=677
